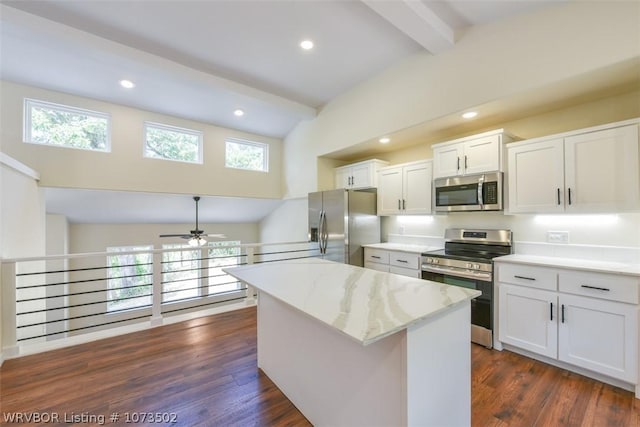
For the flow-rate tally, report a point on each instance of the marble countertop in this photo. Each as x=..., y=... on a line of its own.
x=364, y=304
x=401, y=247
x=573, y=263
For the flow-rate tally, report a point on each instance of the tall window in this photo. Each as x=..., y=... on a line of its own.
x=60, y=125
x=180, y=273
x=172, y=143
x=249, y=155
x=222, y=254
x=130, y=278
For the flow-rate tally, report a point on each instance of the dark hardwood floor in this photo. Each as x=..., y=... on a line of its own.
x=203, y=372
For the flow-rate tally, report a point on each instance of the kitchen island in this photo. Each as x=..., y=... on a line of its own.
x=356, y=347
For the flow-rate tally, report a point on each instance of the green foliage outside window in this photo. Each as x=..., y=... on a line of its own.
x=65, y=126
x=246, y=155
x=130, y=278
x=173, y=144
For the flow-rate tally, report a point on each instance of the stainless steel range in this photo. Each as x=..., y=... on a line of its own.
x=466, y=261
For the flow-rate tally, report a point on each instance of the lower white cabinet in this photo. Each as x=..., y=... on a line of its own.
x=527, y=319
x=397, y=262
x=601, y=336
x=581, y=318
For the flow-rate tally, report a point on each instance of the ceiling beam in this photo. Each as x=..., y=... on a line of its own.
x=418, y=21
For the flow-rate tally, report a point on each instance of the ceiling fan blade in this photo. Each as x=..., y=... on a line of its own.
x=184, y=236
x=219, y=236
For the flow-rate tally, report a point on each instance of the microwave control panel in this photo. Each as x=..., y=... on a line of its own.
x=490, y=191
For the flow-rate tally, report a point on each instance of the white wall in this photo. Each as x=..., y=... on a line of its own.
x=288, y=223
x=488, y=63
x=125, y=168
x=85, y=238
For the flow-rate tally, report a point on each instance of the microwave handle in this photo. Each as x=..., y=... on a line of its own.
x=480, y=185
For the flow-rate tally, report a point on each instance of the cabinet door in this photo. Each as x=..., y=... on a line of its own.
x=528, y=319
x=447, y=160
x=598, y=335
x=390, y=191
x=343, y=177
x=362, y=176
x=416, y=186
x=536, y=177
x=601, y=170
x=376, y=266
x=482, y=155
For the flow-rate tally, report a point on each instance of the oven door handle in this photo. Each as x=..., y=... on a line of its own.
x=485, y=277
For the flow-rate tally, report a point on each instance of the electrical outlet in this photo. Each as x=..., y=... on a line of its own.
x=558, y=236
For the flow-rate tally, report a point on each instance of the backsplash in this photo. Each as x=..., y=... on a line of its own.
x=611, y=238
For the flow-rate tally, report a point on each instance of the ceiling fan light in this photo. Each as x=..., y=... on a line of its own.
x=196, y=241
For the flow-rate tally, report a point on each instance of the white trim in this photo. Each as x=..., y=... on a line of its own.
x=29, y=103
x=175, y=129
x=239, y=141
x=18, y=166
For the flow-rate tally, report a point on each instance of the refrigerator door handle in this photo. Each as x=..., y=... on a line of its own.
x=323, y=232
x=320, y=216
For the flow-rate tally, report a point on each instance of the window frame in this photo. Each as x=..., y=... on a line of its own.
x=27, y=122
x=178, y=129
x=240, y=141
x=129, y=250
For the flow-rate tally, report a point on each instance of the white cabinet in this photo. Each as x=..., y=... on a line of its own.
x=358, y=175
x=405, y=189
x=596, y=171
x=471, y=155
x=590, y=320
x=397, y=262
x=598, y=335
x=527, y=319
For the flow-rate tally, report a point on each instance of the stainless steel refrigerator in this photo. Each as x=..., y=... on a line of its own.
x=341, y=221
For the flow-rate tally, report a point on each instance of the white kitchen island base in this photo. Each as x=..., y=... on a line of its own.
x=419, y=376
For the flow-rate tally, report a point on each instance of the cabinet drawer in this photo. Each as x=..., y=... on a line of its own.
x=376, y=266
x=599, y=285
x=376, y=255
x=410, y=272
x=404, y=260
x=524, y=275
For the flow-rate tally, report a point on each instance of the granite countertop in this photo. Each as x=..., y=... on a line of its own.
x=573, y=263
x=364, y=304
x=402, y=247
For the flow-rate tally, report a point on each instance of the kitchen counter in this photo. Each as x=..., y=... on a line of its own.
x=401, y=247
x=583, y=264
x=352, y=346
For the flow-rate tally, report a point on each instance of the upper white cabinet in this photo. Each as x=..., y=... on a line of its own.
x=588, y=171
x=358, y=175
x=470, y=155
x=405, y=189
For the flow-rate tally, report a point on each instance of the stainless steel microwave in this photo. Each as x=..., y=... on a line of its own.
x=482, y=192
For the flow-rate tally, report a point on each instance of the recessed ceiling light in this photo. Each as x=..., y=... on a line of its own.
x=469, y=115
x=127, y=84
x=384, y=140
x=306, y=44
x=238, y=113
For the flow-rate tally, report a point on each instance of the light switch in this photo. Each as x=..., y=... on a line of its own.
x=557, y=236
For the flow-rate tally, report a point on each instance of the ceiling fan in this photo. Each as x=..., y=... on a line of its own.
x=196, y=237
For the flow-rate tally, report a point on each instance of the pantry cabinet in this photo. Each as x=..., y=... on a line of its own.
x=588, y=172
x=358, y=175
x=585, y=319
x=470, y=155
x=405, y=189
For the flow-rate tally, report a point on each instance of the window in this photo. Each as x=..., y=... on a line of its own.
x=180, y=273
x=53, y=124
x=249, y=155
x=172, y=143
x=130, y=278
x=223, y=254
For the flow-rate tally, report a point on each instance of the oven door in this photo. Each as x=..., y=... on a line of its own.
x=481, y=307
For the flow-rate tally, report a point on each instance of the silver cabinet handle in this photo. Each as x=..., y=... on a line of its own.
x=458, y=163
x=524, y=277
x=558, y=197
x=403, y=205
x=402, y=260
x=465, y=161
x=569, y=191
x=399, y=205
x=374, y=256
